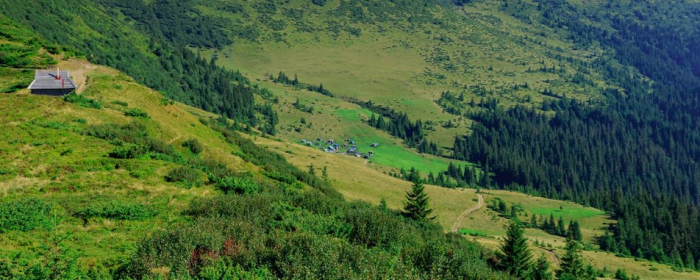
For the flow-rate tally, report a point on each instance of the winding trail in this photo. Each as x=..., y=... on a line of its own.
x=478, y=206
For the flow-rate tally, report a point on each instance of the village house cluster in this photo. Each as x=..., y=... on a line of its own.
x=330, y=146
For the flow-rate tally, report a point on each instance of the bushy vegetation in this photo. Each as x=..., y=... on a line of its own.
x=193, y=145
x=136, y=112
x=82, y=101
x=23, y=214
x=133, y=141
x=186, y=176
x=242, y=185
x=295, y=235
x=116, y=210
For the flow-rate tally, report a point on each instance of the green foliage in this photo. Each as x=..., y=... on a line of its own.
x=293, y=235
x=242, y=185
x=185, y=176
x=120, y=103
x=23, y=214
x=133, y=141
x=136, y=112
x=14, y=87
x=541, y=269
x=82, y=101
x=128, y=151
x=193, y=145
x=515, y=256
x=571, y=262
x=116, y=210
x=417, y=202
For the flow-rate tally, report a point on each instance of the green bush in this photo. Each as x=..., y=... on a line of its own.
x=82, y=101
x=186, y=176
x=117, y=210
x=193, y=145
x=120, y=103
x=136, y=112
x=298, y=235
x=23, y=215
x=128, y=151
x=237, y=185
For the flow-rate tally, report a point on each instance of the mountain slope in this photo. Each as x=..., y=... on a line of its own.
x=121, y=182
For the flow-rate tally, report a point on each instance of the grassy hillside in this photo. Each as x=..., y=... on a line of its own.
x=405, y=64
x=120, y=181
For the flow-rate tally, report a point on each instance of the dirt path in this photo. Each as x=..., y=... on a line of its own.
x=478, y=206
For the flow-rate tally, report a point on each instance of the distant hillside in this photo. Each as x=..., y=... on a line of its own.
x=592, y=102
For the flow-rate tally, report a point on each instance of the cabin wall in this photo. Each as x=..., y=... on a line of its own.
x=52, y=92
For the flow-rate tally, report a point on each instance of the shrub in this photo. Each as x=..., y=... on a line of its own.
x=193, y=145
x=128, y=151
x=24, y=215
x=117, y=210
x=135, y=112
x=237, y=185
x=120, y=103
x=82, y=101
x=187, y=176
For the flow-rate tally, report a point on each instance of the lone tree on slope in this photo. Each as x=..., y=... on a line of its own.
x=515, y=255
x=417, y=207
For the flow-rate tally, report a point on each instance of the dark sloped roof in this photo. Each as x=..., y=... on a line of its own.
x=46, y=79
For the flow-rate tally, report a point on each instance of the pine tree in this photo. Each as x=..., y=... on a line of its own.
x=515, y=255
x=574, y=231
x=383, y=205
x=324, y=173
x=533, y=221
x=312, y=170
x=571, y=263
x=541, y=270
x=561, y=227
x=417, y=207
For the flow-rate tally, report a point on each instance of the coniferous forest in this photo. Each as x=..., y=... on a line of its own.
x=635, y=155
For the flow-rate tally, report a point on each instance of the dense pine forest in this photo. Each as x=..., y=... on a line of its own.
x=635, y=155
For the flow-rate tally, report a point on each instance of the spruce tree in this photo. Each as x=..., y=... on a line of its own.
x=541, y=270
x=571, y=263
x=417, y=207
x=574, y=231
x=533, y=221
x=515, y=255
x=324, y=174
x=383, y=205
x=561, y=227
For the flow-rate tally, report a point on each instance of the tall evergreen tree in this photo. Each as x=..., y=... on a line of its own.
x=574, y=231
x=561, y=227
x=541, y=270
x=515, y=255
x=417, y=206
x=571, y=263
